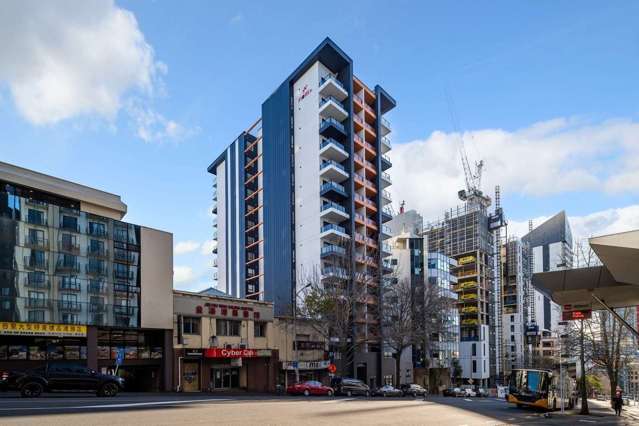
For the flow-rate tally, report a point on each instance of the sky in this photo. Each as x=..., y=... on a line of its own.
x=139, y=97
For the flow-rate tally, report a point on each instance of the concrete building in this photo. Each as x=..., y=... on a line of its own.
x=223, y=343
x=78, y=284
x=302, y=192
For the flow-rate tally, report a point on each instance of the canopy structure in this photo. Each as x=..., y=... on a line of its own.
x=615, y=282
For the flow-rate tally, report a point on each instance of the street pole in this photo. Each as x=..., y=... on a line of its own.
x=561, y=375
x=295, y=353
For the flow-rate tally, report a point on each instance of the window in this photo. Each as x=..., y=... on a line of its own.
x=121, y=271
x=70, y=222
x=512, y=328
x=35, y=217
x=36, y=236
x=96, y=246
x=259, y=329
x=474, y=366
x=68, y=318
x=474, y=349
x=190, y=325
x=69, y=241
x=227, y=327
x=512, y=338
x=97, y=229
x=512, y=318
x=36, y=316
x=36, y=299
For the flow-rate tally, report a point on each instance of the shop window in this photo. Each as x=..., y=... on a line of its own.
x=191, y=325
x=388, y=380
x=259, y=329
x=227, y=327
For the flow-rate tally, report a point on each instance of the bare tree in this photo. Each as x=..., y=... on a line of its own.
x=334, y=301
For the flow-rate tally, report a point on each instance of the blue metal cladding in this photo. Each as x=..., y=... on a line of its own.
x=277, y=198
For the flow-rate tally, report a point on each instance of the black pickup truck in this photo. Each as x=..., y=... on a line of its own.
x=53, y=377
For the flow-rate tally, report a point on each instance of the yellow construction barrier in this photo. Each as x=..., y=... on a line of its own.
x=466, y=259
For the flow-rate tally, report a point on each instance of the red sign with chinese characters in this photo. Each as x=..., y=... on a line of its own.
x=230, y=353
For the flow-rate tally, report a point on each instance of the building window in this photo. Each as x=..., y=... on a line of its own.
x=36, y=217
x=474, y=349
x=259, y=329
x=474, y=366
x=70, y=222
x=190, y=325
x=36, y=316
x=388, y=380
x=512, y=318
x=512, y=328
x=68, y=318
x=227, y=327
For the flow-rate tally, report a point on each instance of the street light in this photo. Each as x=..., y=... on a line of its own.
x=295, y=355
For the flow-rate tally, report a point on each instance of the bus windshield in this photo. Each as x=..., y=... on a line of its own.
x=529, y=381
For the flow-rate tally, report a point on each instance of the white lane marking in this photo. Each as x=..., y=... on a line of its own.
x=333, y=401
x=132, y=404
x=469, y=400
x=588, y=421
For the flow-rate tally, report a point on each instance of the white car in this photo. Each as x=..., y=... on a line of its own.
x=470, y=392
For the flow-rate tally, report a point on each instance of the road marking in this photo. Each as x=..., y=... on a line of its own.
x=333, y=401
x=588, y=421
x=469, y=400
x=123, y=405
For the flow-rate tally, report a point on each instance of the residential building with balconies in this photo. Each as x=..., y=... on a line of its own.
x=79, y=284
x=304, y=192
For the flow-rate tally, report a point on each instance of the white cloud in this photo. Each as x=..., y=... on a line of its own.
x=546, y=158
x=603, y=222
x=207, y=247
x=152, y=126
x=237, y=18
x=65, y=59
x=186, y=247
x=183, y=274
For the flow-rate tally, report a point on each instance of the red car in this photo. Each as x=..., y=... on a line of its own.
x=309, y=388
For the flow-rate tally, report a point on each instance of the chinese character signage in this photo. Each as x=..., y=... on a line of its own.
x=37, y=329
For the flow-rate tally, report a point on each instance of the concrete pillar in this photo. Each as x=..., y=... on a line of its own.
x=168, y=361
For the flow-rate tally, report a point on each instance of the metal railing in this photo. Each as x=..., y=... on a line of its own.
x=331, y=205
x=70, y=284
x=386, y=123
x=332, y=79
x=328, y=163
x=33, y=241
x=326, y=99
x=333, y=249
x=331, y=141
x=387, y=177
x=33, y=262
x=332, y=185
x=331, y=121
x=333, y=227
x=37, y=220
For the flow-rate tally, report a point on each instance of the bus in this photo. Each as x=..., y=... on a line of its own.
x=541, y=389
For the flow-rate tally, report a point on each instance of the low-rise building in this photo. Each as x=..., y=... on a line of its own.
x=302, y=350
x=223, y=343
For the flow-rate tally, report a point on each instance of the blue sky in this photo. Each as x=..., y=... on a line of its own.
x=153, y=91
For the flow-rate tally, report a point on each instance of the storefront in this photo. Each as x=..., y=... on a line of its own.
x=308, y=370
x=222, y=370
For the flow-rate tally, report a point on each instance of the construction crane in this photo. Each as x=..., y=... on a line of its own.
x=472, y=194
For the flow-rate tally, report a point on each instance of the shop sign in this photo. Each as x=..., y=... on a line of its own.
x=193, y=353
x=230, y=353
x=305, y=365
x=37, y=329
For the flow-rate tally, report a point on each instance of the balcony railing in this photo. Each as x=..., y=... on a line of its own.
x=331, y=121
x=328, y=163
x=37, y=220
x=69, y=246
x=358, y=97
x=387, y=177
x=42, y=303
x=326, y=99
x=97, y=251
x=73, y=227
x=333, y=185
x=97, y=287
x=70, y=284
x=36, y=280
x=96, y=269
x=333, y=227
x=33, y=241
x=97, y=231
x=333, y=249
x=32, y=262
x=387, y=195
x=332, y=271
x=66, y=266
x=331, y=141
x=333, y=79
x=124, y=310
x=386, y=123
x=386, y=141
x=69, y=305
x=331, y=205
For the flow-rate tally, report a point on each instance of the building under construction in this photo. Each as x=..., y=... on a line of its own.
x=467, y=234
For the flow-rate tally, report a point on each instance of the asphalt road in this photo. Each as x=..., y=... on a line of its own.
x=181, y=409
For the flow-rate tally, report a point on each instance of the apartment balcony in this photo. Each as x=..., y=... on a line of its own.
x=99, y=252
x=333, y=212
x=97, y=231
x=124, y=256
x=214, y=207
x=386, y=129
x=386, y=145
x=333, y=150
x=331, y=128
x=371, y=223
x=38, y=302
x=40, y=220
x=69, y=306
x=386, y=232
x=360, y=219
x=332, y=107
x=387, y=214
x=386, y=249
x=69, y=284
x=386, y=163
x=333, y=191
x=333, y=272
x=36, y=263
x=97, y=307
x=386, y=180
x=36, y=203
x=71, y=227
x=124, y=290
x=386, y=197
x=332, y=250
x=333, y=171
x=68, y=266
x=37, y=281
x=96, y=270
x=69, y=247
x=333, y=233
x=97, y=287
x=36, y=242
x=331, y=86
x=124, y=310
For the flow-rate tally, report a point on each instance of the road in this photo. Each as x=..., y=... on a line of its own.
x=181, y=409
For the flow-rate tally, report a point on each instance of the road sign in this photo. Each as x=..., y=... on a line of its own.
x=471, y=381
x=119, y=359
x=332, y=368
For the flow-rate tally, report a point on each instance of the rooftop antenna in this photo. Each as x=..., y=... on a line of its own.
x=401, y=207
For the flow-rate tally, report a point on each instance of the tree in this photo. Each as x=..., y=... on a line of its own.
x=456, y=370
x=334, y=301
x=398, y=323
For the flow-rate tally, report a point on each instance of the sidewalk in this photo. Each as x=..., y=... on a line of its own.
x=603, y=409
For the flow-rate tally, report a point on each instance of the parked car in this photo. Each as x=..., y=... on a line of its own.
x=469, y=392
x=62, y=377
x=449, y=392
x=483, y=392
x=387, y=390
x=412, y=390
x=309, y=388
x=350, y=387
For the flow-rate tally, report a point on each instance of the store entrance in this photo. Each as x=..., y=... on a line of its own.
x=225, y=378
x=191, y=376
